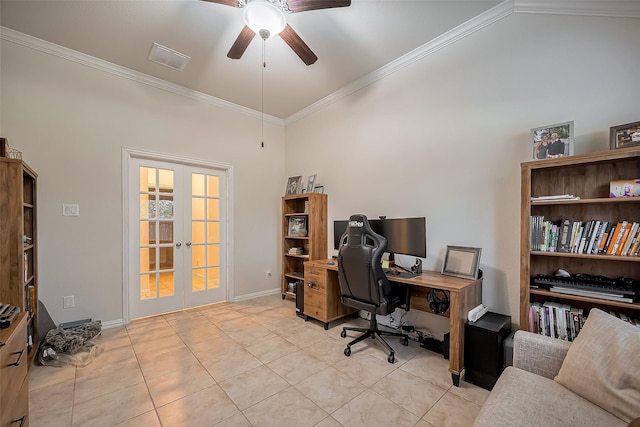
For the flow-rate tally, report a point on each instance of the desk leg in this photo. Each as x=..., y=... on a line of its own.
x=456, y=379
x=461, y=303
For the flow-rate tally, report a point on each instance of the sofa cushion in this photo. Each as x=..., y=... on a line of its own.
x=521, y=398
x=603, y=365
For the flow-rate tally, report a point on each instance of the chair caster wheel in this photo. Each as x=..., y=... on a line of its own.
x=391, y=358
x=347, y=351
x=405, y=342
x=343, y=334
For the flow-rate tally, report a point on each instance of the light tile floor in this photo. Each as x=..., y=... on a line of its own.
x=251, y=363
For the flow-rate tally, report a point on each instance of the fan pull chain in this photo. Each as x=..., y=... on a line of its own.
x=264, y=65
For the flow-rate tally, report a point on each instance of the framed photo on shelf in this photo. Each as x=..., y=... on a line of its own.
x=319, y=189
x=311, y=182
x=294, y=185
x=297, y=226
x=623, y=136
x=462, y=261
x=552, y=141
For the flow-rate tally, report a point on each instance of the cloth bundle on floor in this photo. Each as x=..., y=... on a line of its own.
x=72, y=340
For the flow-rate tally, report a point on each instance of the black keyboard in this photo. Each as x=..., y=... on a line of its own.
x=598, y=284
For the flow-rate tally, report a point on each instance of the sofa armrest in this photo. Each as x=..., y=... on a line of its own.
x=539, y=354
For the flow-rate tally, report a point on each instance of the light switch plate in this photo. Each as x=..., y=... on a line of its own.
x=70, y=209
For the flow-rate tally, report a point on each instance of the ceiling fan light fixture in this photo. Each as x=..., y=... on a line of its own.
x=264, y=18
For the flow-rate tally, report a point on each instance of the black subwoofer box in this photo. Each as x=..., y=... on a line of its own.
x=483, y=351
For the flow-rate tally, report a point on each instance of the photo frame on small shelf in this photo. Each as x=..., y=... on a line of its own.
x=552, y=141
x=311, y=182
x=297, y=226
x=319, y=189
x=623, y=136
x=294, y=185
x=462, y=261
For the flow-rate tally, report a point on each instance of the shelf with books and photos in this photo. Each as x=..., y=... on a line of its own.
x=304, y=236
x=588, y=237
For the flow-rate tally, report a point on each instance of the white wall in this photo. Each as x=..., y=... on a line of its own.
x=71, y=122
x=444, y=137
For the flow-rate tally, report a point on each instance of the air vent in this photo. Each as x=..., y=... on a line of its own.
x=168, y=57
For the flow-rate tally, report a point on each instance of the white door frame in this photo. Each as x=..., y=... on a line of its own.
x=130, y=153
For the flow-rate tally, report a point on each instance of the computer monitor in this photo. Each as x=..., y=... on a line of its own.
x=407, y=236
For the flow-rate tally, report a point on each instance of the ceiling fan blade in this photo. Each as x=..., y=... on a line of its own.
x=233, y=3
x=301, y=49
x=305, y=5
x=241, y=43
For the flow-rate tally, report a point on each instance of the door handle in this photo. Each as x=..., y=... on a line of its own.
x=178, y=244
x=188, y=244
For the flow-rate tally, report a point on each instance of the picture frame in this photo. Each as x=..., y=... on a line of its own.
x=297, y=226
x=462, y=261
x=552, y=141
x=318, y=189
x=623, y=136
x=311, y=182
x=293, y=185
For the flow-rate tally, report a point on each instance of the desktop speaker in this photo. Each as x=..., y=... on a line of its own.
x=438, y=301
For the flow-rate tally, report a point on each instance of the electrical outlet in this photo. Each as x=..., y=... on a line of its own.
x=68, y=302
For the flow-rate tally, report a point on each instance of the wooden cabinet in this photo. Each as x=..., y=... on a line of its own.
x=586, y=176
x=322, y=293
x=304, y=236
x=18, y=243
x=14, y=392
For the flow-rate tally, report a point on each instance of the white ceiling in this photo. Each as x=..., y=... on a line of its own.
x=350, y=42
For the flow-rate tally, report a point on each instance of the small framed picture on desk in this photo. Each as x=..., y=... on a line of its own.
x=462, y=261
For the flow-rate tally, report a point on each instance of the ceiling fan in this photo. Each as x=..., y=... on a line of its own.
x=268, y=19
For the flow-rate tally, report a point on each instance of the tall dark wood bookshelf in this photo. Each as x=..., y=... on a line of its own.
x=586, y=176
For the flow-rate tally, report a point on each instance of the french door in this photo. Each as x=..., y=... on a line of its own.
x=177, y=236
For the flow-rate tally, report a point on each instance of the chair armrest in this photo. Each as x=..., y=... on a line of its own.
x=539, y=354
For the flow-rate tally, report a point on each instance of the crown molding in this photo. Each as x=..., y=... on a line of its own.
x=605, y=8
x=127, y=73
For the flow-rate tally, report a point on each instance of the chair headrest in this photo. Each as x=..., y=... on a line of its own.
x=359, y=225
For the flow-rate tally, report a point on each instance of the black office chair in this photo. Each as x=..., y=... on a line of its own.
x=363, y=284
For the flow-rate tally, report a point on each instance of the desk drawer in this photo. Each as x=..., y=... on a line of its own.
x=317, y=277
x=17, y=413
x=13, y=366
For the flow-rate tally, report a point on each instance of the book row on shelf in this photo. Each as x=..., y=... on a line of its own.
x=585, y=237
x=562, y=321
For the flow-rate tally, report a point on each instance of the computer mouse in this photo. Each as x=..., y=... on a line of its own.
x=330, y=262
x=563, y=273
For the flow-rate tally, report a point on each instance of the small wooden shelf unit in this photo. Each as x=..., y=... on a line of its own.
x=313, y=207
x=587, y=176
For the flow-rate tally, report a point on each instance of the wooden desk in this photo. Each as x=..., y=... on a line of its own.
x=464, y=294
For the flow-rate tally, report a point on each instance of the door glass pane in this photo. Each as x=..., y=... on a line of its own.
x=147, y=259
x=166, y=180
x=197, y=208
x=197, y=184
x=147, y=179
x=147, y=232
x=213, y=186
x=213, y=232
x=197, y=255
x=167, y=284
x=213, y=276
x=166, y=258
x=213, y=210
x=213, y=254
x=198, y=277
x=147, y=206
x=148, y=286
x=165, y=207
x=166, y=232
x=197, y=232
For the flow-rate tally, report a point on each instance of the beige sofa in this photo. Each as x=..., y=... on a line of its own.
x=594, y=381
